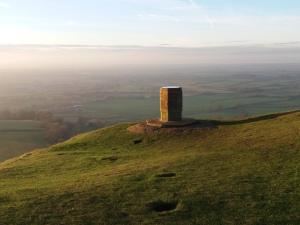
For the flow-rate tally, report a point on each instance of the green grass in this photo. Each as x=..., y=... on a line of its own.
x=18, y=137
x=242, y=172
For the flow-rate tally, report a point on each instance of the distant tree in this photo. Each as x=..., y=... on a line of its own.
x=6, y=115
x=44, y=116
x=56, y=129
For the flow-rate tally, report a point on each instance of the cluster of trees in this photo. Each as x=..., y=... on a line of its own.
x=56, y=129
x=22, y=115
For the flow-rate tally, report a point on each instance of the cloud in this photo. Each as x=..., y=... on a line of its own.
x=201, y=18
x=196, y=13
x=184, y=5
x=4, y=5
x=284, y=19
x=159, y=17
x=70, y=23
x=192, y=3
x=90, y=57
x=184, y=11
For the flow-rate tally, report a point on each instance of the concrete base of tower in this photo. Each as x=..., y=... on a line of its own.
x=161, y=124
x=156, y=126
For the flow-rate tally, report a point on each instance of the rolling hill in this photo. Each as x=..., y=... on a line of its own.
x=238, y=172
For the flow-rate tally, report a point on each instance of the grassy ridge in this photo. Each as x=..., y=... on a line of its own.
x=243, y=172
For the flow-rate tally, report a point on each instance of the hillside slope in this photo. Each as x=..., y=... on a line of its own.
x=244, y=172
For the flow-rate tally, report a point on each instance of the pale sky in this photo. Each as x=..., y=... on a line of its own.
x=181, y=23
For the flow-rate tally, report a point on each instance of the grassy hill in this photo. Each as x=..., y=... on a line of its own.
x=241, y=172
x=19, y=136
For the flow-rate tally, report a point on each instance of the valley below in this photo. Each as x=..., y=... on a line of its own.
x=80, y=101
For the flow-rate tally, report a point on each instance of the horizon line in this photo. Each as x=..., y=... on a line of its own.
x=162, y=46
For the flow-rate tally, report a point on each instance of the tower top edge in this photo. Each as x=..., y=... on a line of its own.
x=171, y=87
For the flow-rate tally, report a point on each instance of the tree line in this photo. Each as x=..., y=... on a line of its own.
x=56, y=129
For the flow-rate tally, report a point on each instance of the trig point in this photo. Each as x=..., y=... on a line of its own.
x=170, y=104
x=171, y=120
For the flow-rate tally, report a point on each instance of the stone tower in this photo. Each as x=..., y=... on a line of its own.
x=170, y=104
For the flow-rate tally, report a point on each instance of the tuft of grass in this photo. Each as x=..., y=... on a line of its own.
x=242, y=172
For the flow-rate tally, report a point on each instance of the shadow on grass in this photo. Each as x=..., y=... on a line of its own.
x=162, y=206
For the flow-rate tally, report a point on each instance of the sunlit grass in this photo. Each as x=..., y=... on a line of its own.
x=239, y=173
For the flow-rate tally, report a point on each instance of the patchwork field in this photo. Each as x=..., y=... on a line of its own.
x=113, y=96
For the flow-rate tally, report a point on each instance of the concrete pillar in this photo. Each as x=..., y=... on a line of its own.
x=170, y=104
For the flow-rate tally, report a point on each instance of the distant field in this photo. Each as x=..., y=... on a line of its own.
x=206, y=106
x=212, y=97
x=18, y=137
x=232, y=92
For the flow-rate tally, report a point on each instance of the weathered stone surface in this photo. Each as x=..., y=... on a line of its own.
x=171, y=104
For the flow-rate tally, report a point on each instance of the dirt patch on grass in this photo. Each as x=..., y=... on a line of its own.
x=162, y=206
x=137, y=141
x=110, y=158
x=166, y=175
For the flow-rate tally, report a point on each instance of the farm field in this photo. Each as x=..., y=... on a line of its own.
x=222, y=93
x=206, y=106
x=17, y=137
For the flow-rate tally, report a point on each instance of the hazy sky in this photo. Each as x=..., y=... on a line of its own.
x=182, y=23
